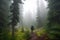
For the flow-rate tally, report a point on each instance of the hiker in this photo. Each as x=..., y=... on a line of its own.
x=32, y=28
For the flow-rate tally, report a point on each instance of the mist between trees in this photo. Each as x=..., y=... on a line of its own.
x=20, y=19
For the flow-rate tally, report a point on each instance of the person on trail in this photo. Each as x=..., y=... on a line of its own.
x=32, y=28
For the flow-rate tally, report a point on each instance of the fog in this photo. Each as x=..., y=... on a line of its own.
x=29, y=12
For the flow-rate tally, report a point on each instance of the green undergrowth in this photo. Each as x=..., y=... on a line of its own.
x=22, y=35
x=40, y=31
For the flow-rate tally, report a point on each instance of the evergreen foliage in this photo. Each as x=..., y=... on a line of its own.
x=4, y=20
x=54, y=20
x=15, y=15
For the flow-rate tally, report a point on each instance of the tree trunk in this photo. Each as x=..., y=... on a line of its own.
x=13, y=32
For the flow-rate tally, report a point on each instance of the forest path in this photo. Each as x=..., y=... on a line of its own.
x=35, y=37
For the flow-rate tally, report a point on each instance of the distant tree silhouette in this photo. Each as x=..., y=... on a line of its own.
x=39, y=21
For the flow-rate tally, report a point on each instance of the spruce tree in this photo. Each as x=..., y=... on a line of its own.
x=15, y=15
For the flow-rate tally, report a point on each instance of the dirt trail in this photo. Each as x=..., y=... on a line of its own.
x=35, y=37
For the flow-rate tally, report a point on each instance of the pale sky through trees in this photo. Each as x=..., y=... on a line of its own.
x=31, y=5
x=30, y=10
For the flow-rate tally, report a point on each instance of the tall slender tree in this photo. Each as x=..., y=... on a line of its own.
x=53, y=28
x=15, y=15
x=39, y=22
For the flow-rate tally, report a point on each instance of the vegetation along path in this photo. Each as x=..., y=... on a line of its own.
x=33, y=36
